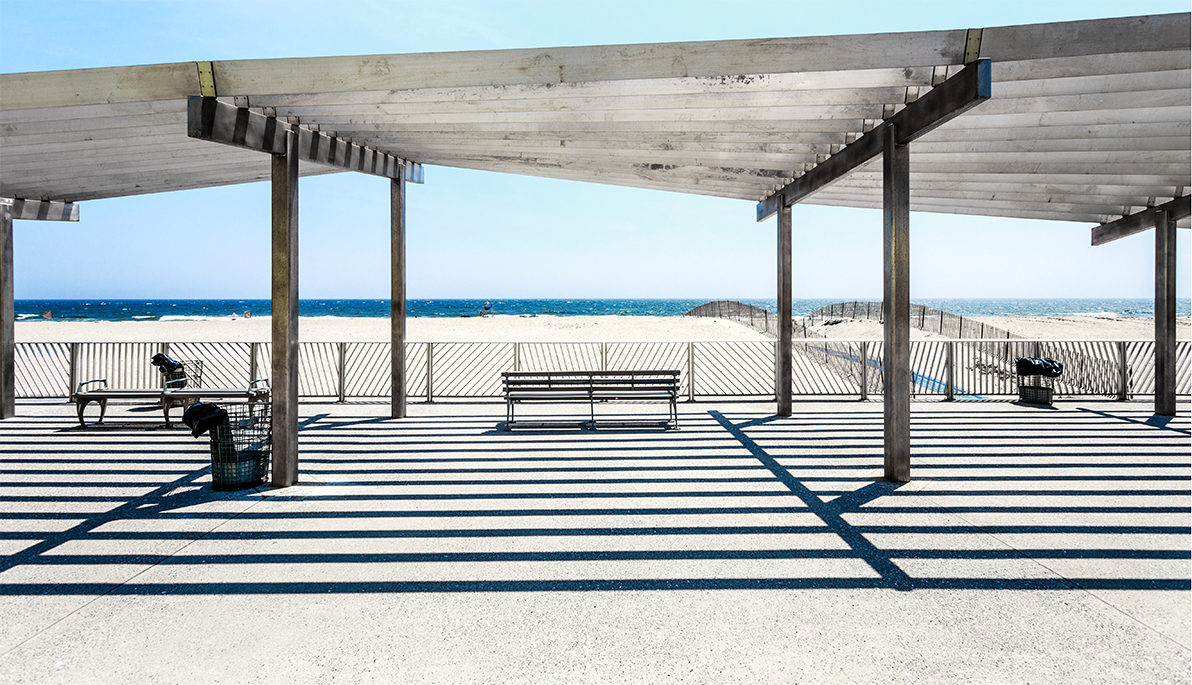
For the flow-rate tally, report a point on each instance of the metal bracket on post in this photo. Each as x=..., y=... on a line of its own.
x=206, y=79
x=972, y=45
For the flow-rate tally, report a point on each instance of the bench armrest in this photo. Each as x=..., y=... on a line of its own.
x=104, y=382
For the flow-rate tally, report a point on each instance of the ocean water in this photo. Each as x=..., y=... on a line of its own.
x=181, y=310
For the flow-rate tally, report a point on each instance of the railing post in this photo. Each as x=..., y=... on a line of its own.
x=430, y=372
x=517, y=356
x=343, y=365
x=74, y=370
x=252, y=361
x=165, y=350
x=950, y=375
x=604, y=356
x=1123, y=372
x=690, y=371
x=864, y=370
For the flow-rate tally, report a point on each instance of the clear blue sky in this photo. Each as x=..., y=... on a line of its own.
x=477, y=234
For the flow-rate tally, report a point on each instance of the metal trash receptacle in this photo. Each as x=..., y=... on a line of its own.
x=241, y=447
x=1036, y=379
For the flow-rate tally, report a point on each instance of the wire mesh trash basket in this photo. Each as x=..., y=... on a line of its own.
x=1036, y=379
x=1035, y=389
x=241, y=447
x=188, y=375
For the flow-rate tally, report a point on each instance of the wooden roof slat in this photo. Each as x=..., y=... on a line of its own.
x=1084, y=117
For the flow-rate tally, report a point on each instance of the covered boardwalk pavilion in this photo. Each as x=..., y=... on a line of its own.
x=1033, y=545
x=1084, y=121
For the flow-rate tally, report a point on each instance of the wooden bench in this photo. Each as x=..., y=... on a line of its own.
x=591, y=387
x=257, y=391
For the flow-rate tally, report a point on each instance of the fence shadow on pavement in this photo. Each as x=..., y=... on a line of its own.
x=1003, y=498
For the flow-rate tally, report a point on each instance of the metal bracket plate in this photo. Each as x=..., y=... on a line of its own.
x=206, y=79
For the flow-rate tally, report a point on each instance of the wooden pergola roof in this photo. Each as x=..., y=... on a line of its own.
x=1088, y=121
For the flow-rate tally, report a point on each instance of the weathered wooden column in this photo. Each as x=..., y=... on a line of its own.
x=397, y=306
x=1165, y=362
x=8, y=345
x=285, y=314
x=782, y=380
x=896, y=305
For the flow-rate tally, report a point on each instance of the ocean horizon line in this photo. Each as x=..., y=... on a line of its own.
x=151, y=309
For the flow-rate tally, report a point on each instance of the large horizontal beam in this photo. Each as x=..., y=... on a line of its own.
x=42, y=210
x=942, y=103
x=220, y=122
x=1177, y=209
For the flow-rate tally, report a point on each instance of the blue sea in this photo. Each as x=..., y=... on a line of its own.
x=181, y=310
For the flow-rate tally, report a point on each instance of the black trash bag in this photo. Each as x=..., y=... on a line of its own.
x=165, y=364
x=1033, y=366
x=201, y=417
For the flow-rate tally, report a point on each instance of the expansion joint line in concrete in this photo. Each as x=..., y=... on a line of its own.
x=154, y=502
x=1074, y=583
x=831, y=513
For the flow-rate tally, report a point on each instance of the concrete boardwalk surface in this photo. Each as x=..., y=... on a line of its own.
x=1033, y=545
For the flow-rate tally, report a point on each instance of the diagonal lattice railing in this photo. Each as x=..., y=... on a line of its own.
x=849, y=368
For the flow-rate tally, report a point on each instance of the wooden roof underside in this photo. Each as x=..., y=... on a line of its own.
x=1088, y=121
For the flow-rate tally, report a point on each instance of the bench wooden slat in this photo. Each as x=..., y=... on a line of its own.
x=590, y=387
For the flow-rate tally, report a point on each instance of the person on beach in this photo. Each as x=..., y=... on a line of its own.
x=488, y=309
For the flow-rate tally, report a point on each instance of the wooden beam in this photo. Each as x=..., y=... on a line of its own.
x=219, y=122
x=784, y=377
x=944, y=102
x=1165, y=342
x=397, y=297
x=8, y=377
x=1138, y=222
x=41, y=210
x=896, y=307
x=285, y=314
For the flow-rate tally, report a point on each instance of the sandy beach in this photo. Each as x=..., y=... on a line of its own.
x=554, y=329
x=339, y=329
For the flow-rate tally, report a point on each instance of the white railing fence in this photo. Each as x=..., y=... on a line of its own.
x=840, y=368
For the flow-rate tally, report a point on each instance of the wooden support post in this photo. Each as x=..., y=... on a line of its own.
x=397, y=303
x=783, y=377
x=896, y=302
x=285, y=316
x=1165, y=361
x=8, y=345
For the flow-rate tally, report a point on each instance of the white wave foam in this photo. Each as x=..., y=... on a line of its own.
x=205, y=317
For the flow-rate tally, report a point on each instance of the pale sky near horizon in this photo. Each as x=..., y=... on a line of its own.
x=487, y=235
